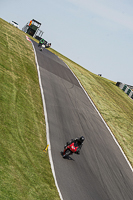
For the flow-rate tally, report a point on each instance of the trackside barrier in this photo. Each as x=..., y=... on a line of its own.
x=125, y=88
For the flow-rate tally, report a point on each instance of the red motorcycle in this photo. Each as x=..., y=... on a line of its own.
x=70, y=149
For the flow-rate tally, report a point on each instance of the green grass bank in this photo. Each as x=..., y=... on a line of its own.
x=25, y=169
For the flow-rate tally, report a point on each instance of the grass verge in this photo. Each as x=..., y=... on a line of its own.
x=24, y=168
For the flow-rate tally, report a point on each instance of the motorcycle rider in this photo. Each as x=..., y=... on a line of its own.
x=77, y=141
x=41, y=42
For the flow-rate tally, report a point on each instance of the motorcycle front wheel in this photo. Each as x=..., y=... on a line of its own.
x=67, y=153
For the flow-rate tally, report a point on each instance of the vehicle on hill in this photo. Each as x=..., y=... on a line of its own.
x=43, y=44
x=14, y=24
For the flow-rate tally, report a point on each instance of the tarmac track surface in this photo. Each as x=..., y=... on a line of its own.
x=100, y=172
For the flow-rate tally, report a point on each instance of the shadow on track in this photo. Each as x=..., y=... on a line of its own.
x=67, y=157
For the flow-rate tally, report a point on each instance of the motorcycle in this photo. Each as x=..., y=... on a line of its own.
x=70, y=149
x=42, y=46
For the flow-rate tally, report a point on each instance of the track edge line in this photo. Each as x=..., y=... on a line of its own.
x=47, y=126
x=102, y=120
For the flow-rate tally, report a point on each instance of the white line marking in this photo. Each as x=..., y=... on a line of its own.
x=47, y=126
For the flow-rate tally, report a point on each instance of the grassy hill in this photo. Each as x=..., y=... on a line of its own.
x=25, y=169
x=25, y=172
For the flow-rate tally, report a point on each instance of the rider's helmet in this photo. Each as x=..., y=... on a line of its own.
x=42, y=41
x=82, y=139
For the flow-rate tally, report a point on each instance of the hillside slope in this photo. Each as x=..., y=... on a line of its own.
x=25, y=171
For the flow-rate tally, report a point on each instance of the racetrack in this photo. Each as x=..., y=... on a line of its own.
x=100, y=172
